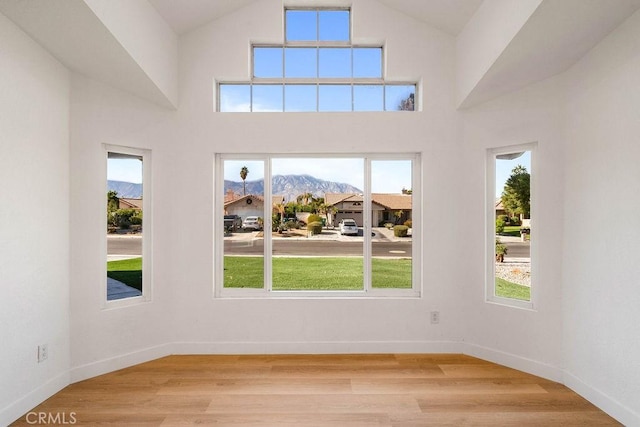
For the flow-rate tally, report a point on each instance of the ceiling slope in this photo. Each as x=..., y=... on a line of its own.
x=555, y=37
x=72, y=33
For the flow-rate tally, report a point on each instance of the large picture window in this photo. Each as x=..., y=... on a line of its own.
x=510, y=227
x=317, y=225
x=317, y=68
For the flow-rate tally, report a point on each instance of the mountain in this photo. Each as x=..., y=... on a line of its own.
x=291, y=186
x=128, y=190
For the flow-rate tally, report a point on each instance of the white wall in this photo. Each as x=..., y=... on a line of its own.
x=485, y=37
x=602, y=261
x=525, y=339
x=34, y=222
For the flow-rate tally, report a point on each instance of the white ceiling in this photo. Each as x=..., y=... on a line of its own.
x=449, y=16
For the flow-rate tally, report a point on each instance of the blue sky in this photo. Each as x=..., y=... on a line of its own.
x=127, y=170
x=387, y=176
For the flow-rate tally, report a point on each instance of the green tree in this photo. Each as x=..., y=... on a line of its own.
x=516, y=195
x=243, y=174
x=113, y=203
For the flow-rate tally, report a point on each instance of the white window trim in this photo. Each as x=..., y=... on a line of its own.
x=147, y=279
x=490, y=221
x=368, y=292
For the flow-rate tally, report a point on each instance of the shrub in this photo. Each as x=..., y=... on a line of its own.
x=504, y=218
x=514, y=220
x=388, y=225
x=292, y=224
x=136, y=218
x=314, y=224
x=122, y=218
x=409, y=223
x=400, y=230
x=499, y=225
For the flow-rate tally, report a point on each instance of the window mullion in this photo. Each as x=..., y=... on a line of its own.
x=266, y=227
x=366, y=223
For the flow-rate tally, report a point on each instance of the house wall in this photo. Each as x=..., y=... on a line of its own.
x=34, y=222
x=601, y=257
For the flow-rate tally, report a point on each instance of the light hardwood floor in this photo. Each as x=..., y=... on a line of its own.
x=321, y=390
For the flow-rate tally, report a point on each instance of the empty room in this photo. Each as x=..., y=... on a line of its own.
x=309, y=212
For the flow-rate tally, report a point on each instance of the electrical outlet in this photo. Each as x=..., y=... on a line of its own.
x=43, y=352
x=435, y=317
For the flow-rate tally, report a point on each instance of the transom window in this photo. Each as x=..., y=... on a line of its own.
x=317, y=68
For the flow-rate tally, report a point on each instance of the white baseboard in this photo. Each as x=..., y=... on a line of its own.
x=24, y=404
x=611, y=406
x=318, y=347
x=514, y=361
x=111, y=364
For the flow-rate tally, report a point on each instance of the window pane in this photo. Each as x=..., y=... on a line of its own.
x=367, y=62
x=334, y=98
x=267, y=98
x=243, y=220
x=334, y=25
x=368, y=98
x=391, y=211
x=324, y=256
x=301, y=62
x=235, y=98
x=300, y=98
x=335, y=62
x=124, y=226
x=400, y=97
x=302, y=25
x=267, y=62
x=513, y=226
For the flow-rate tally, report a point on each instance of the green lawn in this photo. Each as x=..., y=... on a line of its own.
x=311, y=273
x=511, y=230
x=128, y=271
x=508, y=289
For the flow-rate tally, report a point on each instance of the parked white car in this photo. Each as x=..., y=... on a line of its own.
x=348, y=226
x=251, y=222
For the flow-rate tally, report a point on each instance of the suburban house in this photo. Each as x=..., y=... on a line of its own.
x=249, y=205
x=384, y=207
x=128, y=203
x=455, y=84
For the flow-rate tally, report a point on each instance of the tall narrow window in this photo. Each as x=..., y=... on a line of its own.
x=510, y=225
x=128, y=223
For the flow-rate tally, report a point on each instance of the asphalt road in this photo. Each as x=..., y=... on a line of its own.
x=133, y=246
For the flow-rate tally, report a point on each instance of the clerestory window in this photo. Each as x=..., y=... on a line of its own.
x=317, y=69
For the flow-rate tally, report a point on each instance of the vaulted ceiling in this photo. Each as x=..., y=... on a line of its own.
x=502, y=45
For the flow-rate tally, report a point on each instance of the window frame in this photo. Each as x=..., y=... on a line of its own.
x=219, y=291
x=147, y=262
x=490, y=226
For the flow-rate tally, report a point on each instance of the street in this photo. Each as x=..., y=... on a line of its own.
x=132, y=245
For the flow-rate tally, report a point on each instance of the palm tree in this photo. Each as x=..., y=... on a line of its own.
x=307, y=197
x=243, y=174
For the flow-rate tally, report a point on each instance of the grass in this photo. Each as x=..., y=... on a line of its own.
x=507, y=289
x=511, y=230
x=127, y=271
x=316, y=273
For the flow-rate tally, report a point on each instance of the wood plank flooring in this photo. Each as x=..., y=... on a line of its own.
x=321, y=390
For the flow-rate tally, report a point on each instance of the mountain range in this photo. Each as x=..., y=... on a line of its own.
x=291, y=186
x=128, y=190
